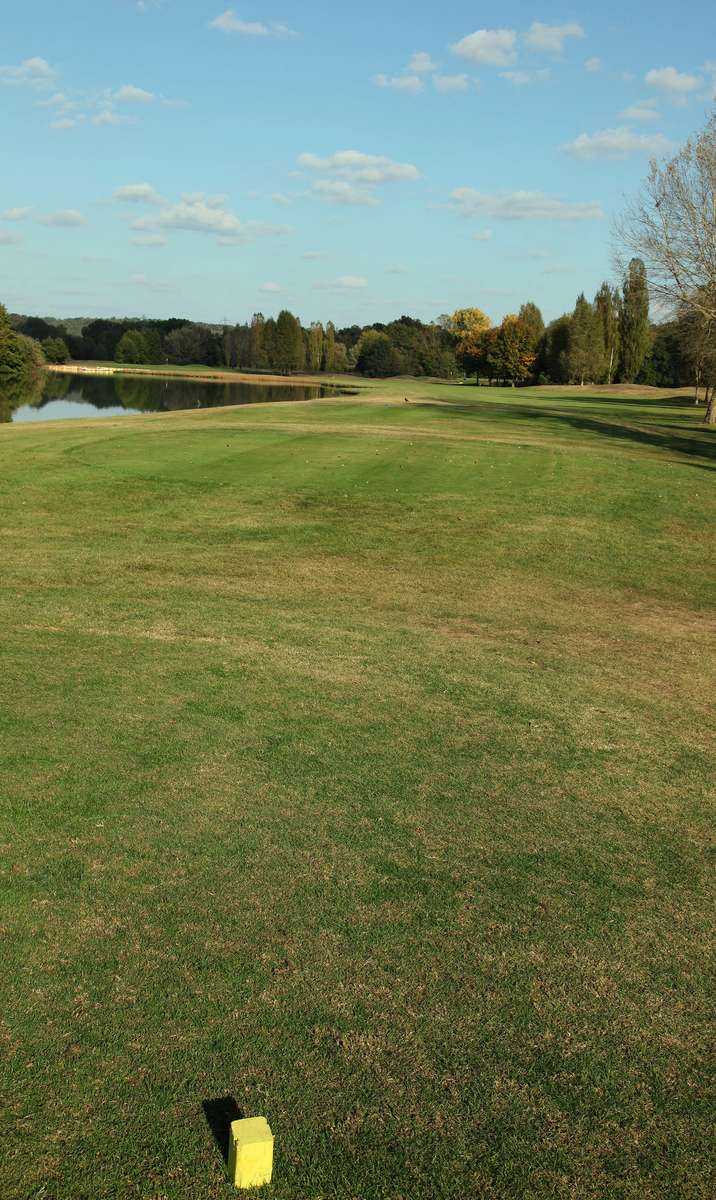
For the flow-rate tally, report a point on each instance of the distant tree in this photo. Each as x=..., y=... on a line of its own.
x=553, y=353
x=268, y=339
x=314, y=347
x=20, y=357
x=607, y=304
x=467, y=326
x=634, y=322
x=533, y=324
x=55, y=350
x=256, y=349
x=376, y=356
x=510, y=355
x=329, y=348
x=585, y=346
x=342, y=360
x=132, y=348
x=153, y=342
x=289, y=348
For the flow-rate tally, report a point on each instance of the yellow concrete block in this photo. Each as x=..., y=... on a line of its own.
x=250, y=1152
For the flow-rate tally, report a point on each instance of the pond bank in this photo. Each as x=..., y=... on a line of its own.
x=202, y=375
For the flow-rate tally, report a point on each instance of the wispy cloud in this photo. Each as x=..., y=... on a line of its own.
x=137, y=193
x=344, y=283
x=521, y=206
x=270, y=287
x=229, y=22
x=523, y=78
x=593, y=65
x=490, y=47
x=551, y=38
x=128, y=93
x=643, y=110
x=421, y=64
x=399, y=83
x=483, y=235
x=7, y=238
x=451, y=83
x=616, y=143
x=15, y=214
x=64, y=218
x=677, y=86
x=33, y=72
x=354, y=176
x=196, y=212
x=313, y=255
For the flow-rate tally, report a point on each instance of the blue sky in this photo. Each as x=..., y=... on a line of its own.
x=178, y=157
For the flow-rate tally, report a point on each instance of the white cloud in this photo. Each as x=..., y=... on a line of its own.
x=522, y=78
x=270, y=287
x=484, y=235
x=593, y=65
x=493, y=47
x=64, y=218
x=33, y=72
x=15, y=214
x=66, y=122
x=344, y=283
x=137, y=193
x=355, y=175
x=399, y=83
x=521, y=206
x=675, y=84
x=149, y=239
x=338, y=191
x=397, y=270
x=616, y=143
x=228, y=22
x=313, y=255
x=280, y=198
x=198, y=213
x=129, y=94
x=107, y=116
x=552, y=37
x=451, y=83
x=421, y=64
x=359, y=167
x=643, y=110
x=7, y=238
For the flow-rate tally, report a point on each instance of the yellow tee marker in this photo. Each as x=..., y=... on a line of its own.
x=250, y=1152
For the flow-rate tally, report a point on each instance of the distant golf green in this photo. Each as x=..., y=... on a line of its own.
x=357, y=763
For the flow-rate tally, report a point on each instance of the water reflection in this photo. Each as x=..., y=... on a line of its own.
x=62, y=396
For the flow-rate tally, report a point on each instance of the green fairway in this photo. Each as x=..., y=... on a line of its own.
x=356, y=762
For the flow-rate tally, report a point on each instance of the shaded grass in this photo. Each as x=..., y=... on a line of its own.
x=357, y=765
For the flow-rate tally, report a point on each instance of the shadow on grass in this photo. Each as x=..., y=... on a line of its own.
x=700, y=444
x=219, y=1115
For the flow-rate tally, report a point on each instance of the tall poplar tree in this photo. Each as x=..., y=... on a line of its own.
x=634, y=322
x=607, y=304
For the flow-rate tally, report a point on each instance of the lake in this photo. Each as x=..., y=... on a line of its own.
x=64, y=396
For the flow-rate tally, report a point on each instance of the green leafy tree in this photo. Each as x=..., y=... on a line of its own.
x=532, y=323
x=584, y=351
x=329, y=348
x=467, y=326
x=376, y=355
x=289, y=350
x=607, y=304
x=55, y=350
x=634, y=322
x=315, y=346
x=132, y=348
x=257, y=357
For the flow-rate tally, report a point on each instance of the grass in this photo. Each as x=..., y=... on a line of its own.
x=357, y=763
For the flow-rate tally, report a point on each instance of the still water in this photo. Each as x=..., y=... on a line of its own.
x=61, y=397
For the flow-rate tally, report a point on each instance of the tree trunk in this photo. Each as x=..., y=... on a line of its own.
x=710, y=414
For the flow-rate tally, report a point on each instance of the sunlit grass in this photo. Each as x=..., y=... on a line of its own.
x=357, y=760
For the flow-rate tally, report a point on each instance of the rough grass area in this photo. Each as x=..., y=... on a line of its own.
x=357, y=764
